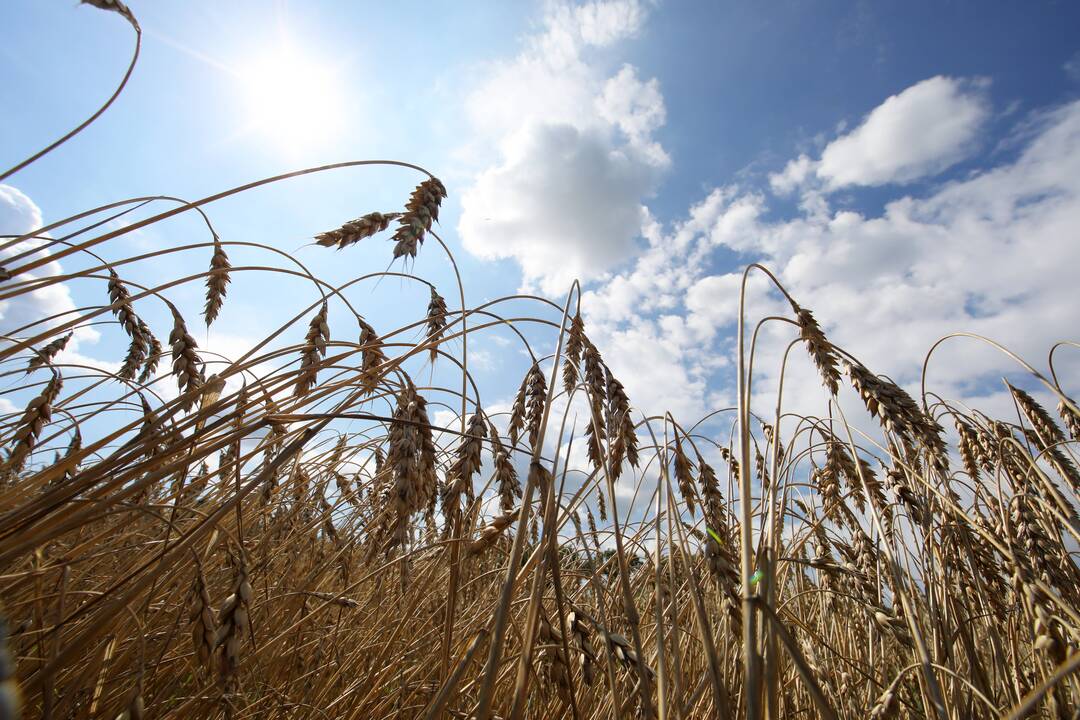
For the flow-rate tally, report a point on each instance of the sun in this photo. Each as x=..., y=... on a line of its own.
x=292, y=99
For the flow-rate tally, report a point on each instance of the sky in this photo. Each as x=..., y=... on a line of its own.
x=906, y=169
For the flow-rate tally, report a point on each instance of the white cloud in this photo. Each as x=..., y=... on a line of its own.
x=921, y=131
x=637, y=109
x=713, y=305
x=993, y=254
x=19, y=215
x=1072, y=67
x=482, y=360
x=569, y=153
x=639, y=318
x=603, y=23
x=664, y=271
x=793, y=175
x=564, y=204
x=653, y=360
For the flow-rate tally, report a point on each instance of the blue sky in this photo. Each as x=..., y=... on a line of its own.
x=907, y=169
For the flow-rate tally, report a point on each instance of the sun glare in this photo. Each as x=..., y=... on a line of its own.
x=292, y=99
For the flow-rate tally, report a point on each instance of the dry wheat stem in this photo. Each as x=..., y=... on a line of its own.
x=264, y=537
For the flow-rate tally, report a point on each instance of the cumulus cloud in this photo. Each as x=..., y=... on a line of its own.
x=792, y=176
x=574, y=153
x=601, y=23
x=655, y=362
x=636, y=108
x=992, y=254
x=20, y=215
x=919, y=132
x=564, y=204
x=639, y=318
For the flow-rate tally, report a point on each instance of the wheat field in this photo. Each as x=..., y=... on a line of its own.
x=290, y=533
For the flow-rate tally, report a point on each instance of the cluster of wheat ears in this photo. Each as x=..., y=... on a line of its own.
x=288, y=534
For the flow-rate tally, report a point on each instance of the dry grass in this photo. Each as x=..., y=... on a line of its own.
x=276, y=543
